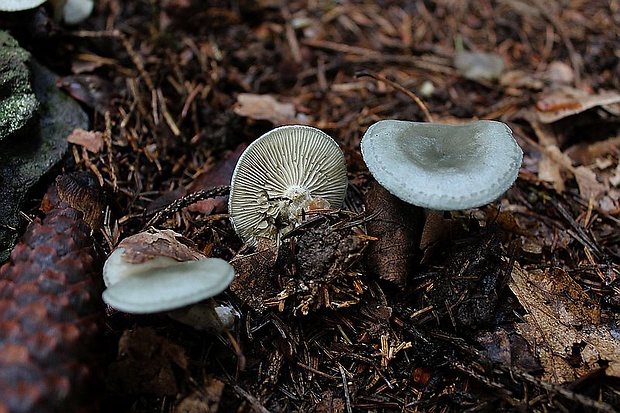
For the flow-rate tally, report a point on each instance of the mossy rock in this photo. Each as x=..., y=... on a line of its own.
x=31, y=145
x=18, y=104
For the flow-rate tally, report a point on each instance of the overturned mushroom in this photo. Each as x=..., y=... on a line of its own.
x=157, y=271
x=281, y=175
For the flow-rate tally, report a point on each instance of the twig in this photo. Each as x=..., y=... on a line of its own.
x=186, y=201
x=254, y=402
x=417, y=100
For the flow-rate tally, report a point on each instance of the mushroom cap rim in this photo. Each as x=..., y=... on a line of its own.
x=19, y=5
x=389, y=173
x=145, y=292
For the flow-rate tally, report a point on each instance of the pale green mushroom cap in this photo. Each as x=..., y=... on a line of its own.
x=155, y=289
x=19, y=5
x=442, y=167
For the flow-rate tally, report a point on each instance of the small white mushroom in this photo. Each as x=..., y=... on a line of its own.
x=153, y=272
x=442, y=167
x=71, y=11
x=286, y=171
x=19, y=5
x=76, y=11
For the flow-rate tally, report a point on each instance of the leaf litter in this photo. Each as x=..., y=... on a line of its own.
x=512, y=306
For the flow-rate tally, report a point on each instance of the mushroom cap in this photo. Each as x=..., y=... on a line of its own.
x=442, y=167
x=76, y=11
x=280, y=173
x=166, y=288
x=19, y=5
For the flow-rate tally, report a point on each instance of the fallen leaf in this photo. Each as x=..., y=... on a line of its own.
x=155, y=243
x=205, y=399
x=146, y=364
x=566, y=101
x=563, y=325
x=90, y=140
x=589, y=186
x=266, y=107
x=479, y=66
x=220, y=173
x=254, y=282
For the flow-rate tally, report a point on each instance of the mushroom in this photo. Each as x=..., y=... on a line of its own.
x=76, y=11
x=433, y=167
x=157, y=271
x=442, y=167
x=280, y=176
x=71, y=11
x=19, y=5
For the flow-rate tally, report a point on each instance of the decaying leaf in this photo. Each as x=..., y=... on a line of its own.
x=254, y=282
x=266, y=107
x=565, y=102
x=92, y=141
x=205, y=399
x=154, y=243
x=146, y=364
x=563, y=325
x=217, y=174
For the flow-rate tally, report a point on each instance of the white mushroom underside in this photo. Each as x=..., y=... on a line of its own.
x=442, y=167
x=175, y=286
x=279, y=174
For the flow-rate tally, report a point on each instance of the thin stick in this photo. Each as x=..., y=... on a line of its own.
x=417, y=100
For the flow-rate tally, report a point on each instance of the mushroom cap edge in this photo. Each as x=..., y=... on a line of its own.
x=491, y=145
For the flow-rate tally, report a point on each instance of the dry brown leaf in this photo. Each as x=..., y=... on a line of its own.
x=266, y=107
x=565, y=102
x=563, y=325
x=254, y=283
x=146, y=364
x=589, y=186
x=90, y=140
x=205, y=399
x=155, y=243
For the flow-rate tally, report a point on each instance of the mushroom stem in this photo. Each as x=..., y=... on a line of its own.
x=398, y=227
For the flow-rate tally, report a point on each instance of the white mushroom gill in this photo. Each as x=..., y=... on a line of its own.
x=282, y=174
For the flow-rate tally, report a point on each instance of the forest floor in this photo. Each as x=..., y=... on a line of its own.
x=513, y=306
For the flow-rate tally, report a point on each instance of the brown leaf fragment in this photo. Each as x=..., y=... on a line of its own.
x=565, y=102
x=204, y=400
x=563, y=325
x=266, y=107
x=330, y=404
x=589, y=186
x=92, y=141
x=508, y=349
x=254, y=283
x=218, y=174
x=398, y=228
x=146, y=364
x=155, y=243
x=586, y=153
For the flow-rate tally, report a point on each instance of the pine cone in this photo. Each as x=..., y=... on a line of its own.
x=50, y=318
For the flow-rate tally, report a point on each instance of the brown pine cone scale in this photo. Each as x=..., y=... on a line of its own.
x=50, y=318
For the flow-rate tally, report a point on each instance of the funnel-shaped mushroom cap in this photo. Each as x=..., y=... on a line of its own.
x=157, y=271
x=281, y=174
x=76, y=11
x=167, y=288
x=442, y=167
x=18, y=5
